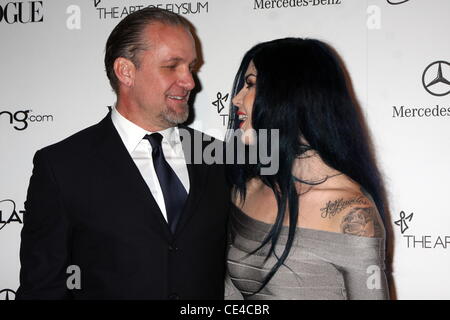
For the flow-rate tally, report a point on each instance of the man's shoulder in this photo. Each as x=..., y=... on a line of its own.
x=81, y=141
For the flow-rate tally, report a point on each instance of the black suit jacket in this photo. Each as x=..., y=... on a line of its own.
x=88, y=206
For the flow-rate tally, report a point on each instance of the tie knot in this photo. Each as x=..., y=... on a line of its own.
x=154, y=139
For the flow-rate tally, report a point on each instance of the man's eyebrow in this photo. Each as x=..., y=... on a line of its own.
x=178, y=59
x=174, y=59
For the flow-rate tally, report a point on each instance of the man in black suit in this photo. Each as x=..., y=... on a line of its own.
x=128, y=209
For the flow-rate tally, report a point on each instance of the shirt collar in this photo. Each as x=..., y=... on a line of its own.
x=132, y=134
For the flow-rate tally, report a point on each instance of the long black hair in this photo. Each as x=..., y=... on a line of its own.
x=303, y=90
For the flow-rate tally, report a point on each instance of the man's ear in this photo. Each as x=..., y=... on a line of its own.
x=125, y=71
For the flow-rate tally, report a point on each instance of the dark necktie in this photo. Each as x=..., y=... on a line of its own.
x=174, y=193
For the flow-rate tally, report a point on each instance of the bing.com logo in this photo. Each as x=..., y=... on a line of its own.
x=19, y=120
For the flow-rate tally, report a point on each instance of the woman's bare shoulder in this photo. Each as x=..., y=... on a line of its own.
x=343, y=210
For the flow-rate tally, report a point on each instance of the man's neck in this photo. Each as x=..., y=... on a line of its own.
x=142, y=120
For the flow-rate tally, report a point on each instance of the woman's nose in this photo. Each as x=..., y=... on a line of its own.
x=237, y=99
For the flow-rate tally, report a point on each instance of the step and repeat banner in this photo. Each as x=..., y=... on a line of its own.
x=397, y=52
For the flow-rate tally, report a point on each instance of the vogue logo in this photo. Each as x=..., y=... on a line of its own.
x=8, y=213
x=22, y=12
x=19, y=119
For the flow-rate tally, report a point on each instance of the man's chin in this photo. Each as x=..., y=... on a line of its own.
x=176, y=118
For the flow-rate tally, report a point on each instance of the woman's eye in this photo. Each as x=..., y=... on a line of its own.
x=250, y=81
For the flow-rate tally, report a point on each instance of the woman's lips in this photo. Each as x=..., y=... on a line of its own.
x=242, y=116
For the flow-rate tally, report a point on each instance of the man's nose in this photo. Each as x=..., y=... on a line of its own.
x=187, y=81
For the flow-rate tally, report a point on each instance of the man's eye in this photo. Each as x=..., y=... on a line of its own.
x=170, y=66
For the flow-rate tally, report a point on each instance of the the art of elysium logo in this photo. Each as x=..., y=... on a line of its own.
x=22, y=12
x=436, y=78
x=403, y=221
x=9, y=213
x=415, y=241
x=120, y=11
x=220, y=106
x=7, y=294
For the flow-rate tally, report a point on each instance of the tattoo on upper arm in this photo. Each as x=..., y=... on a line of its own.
x=362, y=222
x=332, y=208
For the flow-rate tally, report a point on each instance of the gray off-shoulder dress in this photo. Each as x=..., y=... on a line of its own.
x=320, y=265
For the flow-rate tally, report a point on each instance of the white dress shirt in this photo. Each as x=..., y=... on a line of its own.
x=141, y=152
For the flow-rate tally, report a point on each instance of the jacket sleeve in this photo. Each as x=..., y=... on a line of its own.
x=44, y=249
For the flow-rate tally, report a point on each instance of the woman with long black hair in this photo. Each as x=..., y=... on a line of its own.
x=314, y=229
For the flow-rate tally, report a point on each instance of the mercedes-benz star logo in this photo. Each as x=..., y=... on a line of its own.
x=7, y=294
x=435, y=78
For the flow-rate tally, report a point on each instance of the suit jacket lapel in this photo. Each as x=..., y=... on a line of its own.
x=197, y=175
x=114, y=155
